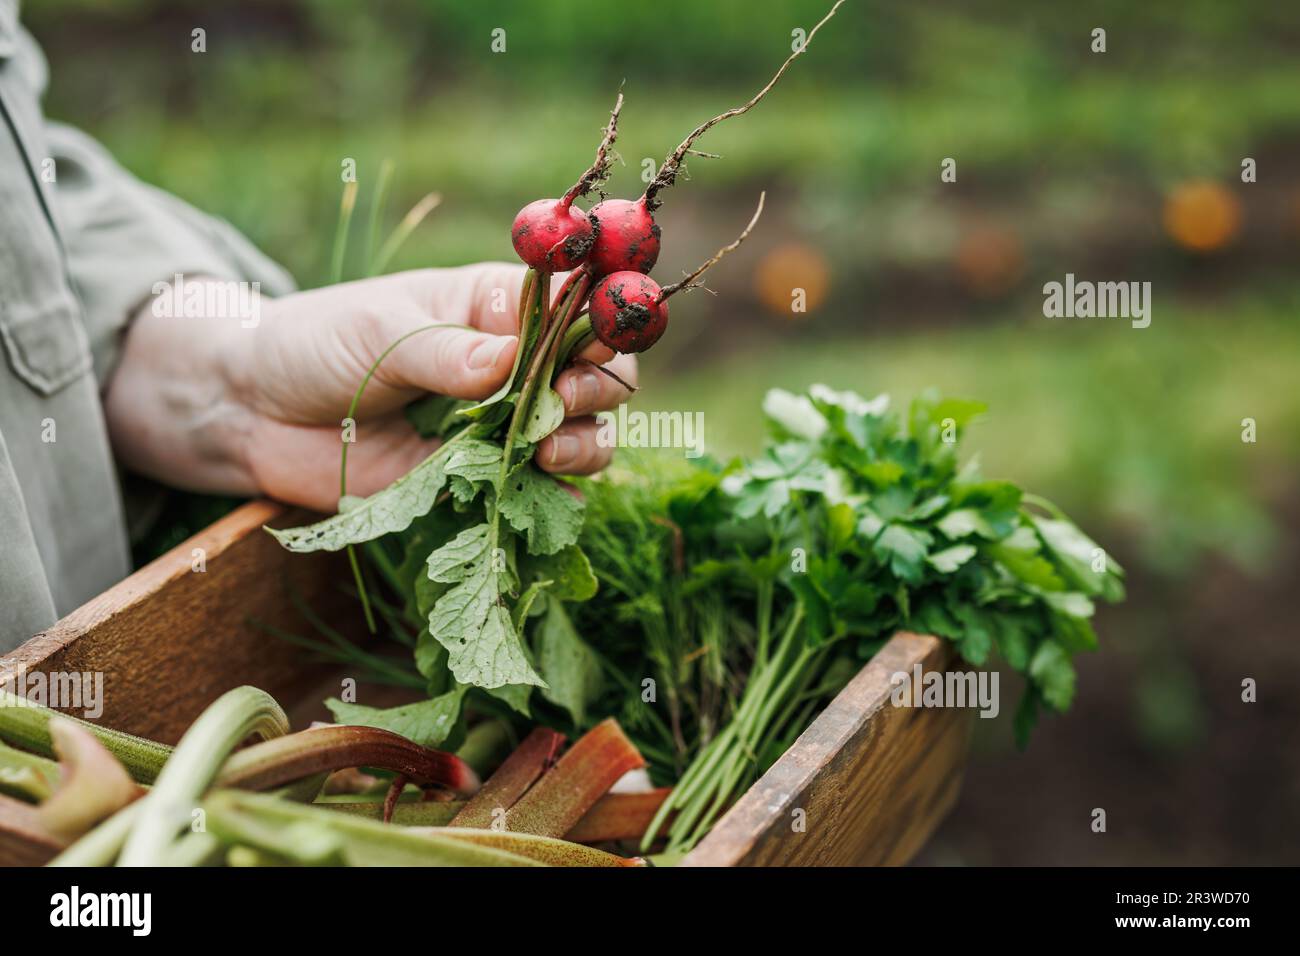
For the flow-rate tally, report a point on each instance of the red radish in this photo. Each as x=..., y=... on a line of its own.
x=550, y=235
x=628, y=312
x=628, y=239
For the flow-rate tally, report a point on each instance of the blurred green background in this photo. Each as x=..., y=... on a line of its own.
x=1116, y=166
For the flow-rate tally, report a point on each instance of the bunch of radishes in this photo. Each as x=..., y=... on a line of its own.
x=617, y=240
x=616, y=243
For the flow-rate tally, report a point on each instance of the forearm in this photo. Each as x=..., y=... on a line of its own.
x=170, y=412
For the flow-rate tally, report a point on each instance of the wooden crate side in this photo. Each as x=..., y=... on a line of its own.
x=873, y=780
x=169, y=639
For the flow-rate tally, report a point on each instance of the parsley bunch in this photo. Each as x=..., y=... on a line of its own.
x=793, y=568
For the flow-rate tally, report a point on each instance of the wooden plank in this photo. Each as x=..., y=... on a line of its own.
x=872, y=779
x=170, y=639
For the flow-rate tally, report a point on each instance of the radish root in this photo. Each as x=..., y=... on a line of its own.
x=598, y=172
x=667, y=174
x=689, y=281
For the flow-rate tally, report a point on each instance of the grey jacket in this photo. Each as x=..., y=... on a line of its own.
x=81, y=245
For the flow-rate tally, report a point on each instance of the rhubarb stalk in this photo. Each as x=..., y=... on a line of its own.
x=92, y=786
x=311, y=834
x=554, y=805
x=27, y=725
x=615, y=816
x=335, y=747
x=232, y=719
x=517, y=773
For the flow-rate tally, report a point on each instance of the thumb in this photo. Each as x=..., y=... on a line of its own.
x=462, y=363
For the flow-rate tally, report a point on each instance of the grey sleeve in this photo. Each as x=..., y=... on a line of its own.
x=121, y=237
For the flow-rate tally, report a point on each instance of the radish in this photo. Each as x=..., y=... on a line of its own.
x=628, y=239
x=628, y=312
x=551, y=235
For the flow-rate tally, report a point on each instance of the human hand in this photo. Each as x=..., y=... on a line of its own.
x=216, y=404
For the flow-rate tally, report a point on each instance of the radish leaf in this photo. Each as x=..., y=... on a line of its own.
x=384, y=512
x=471, y=620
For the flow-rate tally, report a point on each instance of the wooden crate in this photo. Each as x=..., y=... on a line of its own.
x=866, y=783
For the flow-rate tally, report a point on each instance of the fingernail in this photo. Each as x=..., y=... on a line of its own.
x=564, y=449
x=583, y=390
x=485, y=354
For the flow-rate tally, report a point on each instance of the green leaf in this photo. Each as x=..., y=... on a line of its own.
x=793, y=415
x=851, y=403
x=961, y=410
x=963, y=523
x=949, y=560
x=515, y=696
x=384, y=512
x=1013, y=638
x=428, y=723
x=471, y=620
x=531, y=332
x=977, y=630
x=1052, y=671
x=478, y=462
x=818, y=624
x=430, y=656
x=904, y=549
x=931, y=617
x=524, y=606
x=870, y=525
x=546, y=415
x=570, y=667
x=537, y=505
x=998, y=503
x=434, y=416
x=1076, y=553
x=568, y=570
x=928, y=508
x=427, y=593
x=1020, y=554
x=1026, y=716
x=458, y=559
x=1074, y=634
x=1070, y=603
x=882, y=474
x=840, y=523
